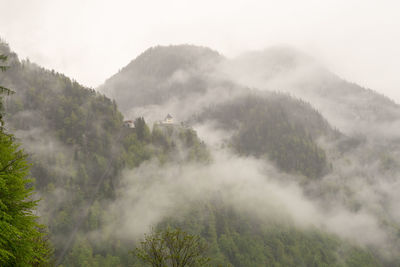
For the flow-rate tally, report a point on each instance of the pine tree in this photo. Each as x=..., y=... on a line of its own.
x=3, y=90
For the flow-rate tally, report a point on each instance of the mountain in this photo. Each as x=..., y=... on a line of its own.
x=276, y=125
x=283, y=187
x=78, y=146
x=263, y=119
x=163, y=74
x=284, y=106
x=346, y=105
x=148, y=80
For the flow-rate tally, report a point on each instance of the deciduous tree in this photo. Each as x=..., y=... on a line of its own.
x=172, y=248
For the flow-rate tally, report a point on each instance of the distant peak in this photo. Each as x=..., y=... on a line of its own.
x=183, y=52
x=182, y=48
x=164, y=60
x=283, y=55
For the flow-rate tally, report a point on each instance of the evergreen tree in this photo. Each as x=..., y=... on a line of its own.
x=142, y=130
x=3, y=90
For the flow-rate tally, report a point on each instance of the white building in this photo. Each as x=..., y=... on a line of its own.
x=168, y=120
x=129, y=124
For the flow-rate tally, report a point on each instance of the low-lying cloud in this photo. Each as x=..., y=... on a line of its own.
x=152, y=193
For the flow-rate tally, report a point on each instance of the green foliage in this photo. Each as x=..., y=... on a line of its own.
x=21, y=241
x=142, y=130
x=81, y=153
x=78, y=167
x=85, y=149
x=178, y=143
x=135, y=151
x=242, y=240
x=3, y=90
x=82, y=255
x=172, y=247
x=278, y=126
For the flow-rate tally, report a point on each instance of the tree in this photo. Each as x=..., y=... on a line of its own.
x=22, y=239
x=142, y=130
x=3, y=90
x=172, y=248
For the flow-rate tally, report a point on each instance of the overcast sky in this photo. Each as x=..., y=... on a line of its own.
x=89, y=40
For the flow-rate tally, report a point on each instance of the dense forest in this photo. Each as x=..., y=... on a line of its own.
x=139, y=82
x=276, y=125
x=84, y=159
x=23, y=240
x=78, y=146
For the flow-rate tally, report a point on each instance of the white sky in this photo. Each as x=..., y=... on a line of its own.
x=89, y=40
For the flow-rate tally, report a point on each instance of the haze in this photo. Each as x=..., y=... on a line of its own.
x=90, y=40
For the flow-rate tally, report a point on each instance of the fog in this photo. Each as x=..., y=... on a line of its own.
x=356, y=200
x=352, y=201
x=154, y=192
x=158, y=192
x=90, y=40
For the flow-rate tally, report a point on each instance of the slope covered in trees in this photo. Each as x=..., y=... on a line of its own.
x=276, y=125
x=234, y=240
x=148, y=80
x=289, y=131
x=78, y=145
x=346, y=105
x=270, y=124
x=80, y=152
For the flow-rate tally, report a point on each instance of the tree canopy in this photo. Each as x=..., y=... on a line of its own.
x=172, y=248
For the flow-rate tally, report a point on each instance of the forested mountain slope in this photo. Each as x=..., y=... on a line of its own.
x=276, y=125
x=162, y=73
x=237, y=98
x=270, y=124
x=104, y=185
x=348, y=106
x=149, y=80
x=78, y=145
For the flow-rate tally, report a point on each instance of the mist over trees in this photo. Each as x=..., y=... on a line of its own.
x=284, y=185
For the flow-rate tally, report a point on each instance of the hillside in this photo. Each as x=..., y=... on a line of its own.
x=271, y=195
x=179, y=74
x=268, y=124
x=276, y=125
x=346, y=105
x=148, y=80
x=331, y=129
x=78, y=146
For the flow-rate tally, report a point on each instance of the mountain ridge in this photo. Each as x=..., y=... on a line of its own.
x=282, y=68
x=140, y=175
